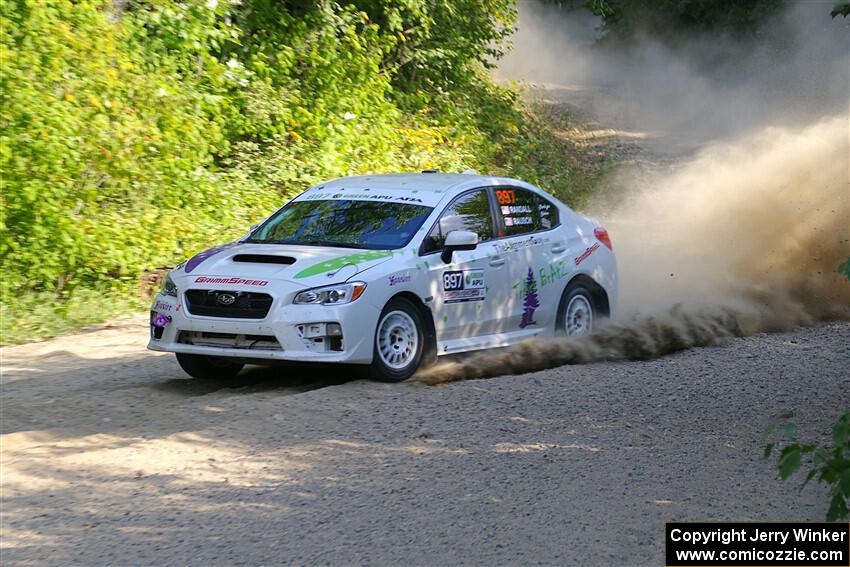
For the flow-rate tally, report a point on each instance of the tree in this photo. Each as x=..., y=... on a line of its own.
x=663, y=18
x=530, y=302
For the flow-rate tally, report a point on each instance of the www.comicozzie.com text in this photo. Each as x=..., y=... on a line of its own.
x=726, y=536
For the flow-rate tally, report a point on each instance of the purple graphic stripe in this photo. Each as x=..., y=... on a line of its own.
x=196, y=260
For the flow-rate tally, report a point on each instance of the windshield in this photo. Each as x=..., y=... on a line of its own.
x=347, y=224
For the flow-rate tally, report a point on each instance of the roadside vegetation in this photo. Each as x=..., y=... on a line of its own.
x=828, y=464
x=136, y=133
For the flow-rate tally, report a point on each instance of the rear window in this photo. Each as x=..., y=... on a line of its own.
x=523, y=211
x=547, y=211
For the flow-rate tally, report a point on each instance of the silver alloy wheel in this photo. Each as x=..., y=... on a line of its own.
x=579, y=316
x=397, y=340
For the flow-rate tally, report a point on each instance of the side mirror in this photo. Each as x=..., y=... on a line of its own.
x=458, y=240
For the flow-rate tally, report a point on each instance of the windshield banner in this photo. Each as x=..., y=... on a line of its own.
x=408, y=196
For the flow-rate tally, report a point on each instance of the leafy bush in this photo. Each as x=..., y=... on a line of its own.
x=830, y=465
x=135, y=134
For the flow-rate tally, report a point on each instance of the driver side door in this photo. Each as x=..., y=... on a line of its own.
x=471, y=290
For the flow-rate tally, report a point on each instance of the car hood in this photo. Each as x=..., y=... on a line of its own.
x=304, y=265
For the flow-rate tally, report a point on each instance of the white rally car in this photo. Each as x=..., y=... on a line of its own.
x=388, y=272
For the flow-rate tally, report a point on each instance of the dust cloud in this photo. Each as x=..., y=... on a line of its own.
x=741, y=235
x=691, y=89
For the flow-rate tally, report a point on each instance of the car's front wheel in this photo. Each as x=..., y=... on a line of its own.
x=399, y=342
x=208, y=367
x=577, y=311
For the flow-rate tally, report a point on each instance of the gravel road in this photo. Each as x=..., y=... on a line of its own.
x=110, y=455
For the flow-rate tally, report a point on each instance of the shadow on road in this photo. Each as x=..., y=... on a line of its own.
x=287, y=379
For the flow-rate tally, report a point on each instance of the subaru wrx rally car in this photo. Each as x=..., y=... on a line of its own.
x=388, y=272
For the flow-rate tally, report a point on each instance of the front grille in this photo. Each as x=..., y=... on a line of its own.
x=229, y=340
x=245, y=304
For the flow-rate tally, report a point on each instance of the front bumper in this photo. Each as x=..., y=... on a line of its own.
x=297, y=330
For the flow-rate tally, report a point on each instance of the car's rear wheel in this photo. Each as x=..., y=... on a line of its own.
x=577, y=311
x=208, y=367
x=399, y=342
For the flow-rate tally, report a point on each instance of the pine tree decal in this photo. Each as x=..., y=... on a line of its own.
x=530, y=302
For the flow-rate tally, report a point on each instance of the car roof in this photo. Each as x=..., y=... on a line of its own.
x=436, y=182
x=427, y=189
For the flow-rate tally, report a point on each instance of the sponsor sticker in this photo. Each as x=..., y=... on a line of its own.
x=234, y=281
x=398, y=279
x=511, y=245
x=460, y=286
x=160, y=321
x=162, y=306
x=584, y=255
x=411, y=196
x=360, y=197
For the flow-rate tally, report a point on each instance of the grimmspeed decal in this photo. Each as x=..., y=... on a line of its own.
x=586, y=254
x=234, y=281
x=460, y=286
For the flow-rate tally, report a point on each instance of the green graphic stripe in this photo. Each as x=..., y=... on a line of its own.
x=337, y=263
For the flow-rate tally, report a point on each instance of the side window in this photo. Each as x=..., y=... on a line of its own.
x=547, y=211
x=470, y=211
x=519, y=211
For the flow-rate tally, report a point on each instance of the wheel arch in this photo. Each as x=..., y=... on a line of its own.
x=600, y=296
x=427, y=318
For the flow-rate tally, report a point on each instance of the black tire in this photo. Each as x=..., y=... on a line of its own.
x=379, y=369
x=208, y=367
x=580, y=292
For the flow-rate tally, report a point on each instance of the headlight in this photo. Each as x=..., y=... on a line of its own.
x=331, y=294
x=168, y=286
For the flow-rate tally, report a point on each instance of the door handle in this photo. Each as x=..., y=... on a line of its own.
x=557, y=248
x=497, y=261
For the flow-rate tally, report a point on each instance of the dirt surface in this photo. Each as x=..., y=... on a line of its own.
x=110, y=455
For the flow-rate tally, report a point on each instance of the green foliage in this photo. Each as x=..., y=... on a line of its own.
x=665, y=18
x=844, y=268
x=40, y=315
x=102, y=157
x=841, y=8
x=830, y=465
x=134, y=136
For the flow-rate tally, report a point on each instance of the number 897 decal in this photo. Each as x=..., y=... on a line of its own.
x=460, y=286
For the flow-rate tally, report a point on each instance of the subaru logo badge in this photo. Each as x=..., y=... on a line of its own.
x=226, y=298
